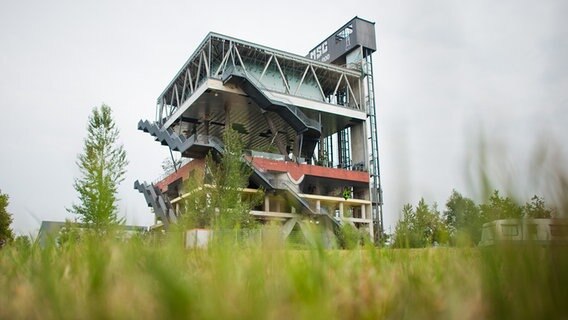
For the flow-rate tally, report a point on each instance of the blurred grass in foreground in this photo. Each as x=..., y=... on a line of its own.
x=142, y=278
x=97, y=277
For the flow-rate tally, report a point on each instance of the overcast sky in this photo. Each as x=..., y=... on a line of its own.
x=447, y=72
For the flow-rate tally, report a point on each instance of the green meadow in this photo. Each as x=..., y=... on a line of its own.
x=99, y=277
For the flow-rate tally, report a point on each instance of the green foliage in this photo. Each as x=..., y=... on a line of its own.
x=499, y=207
x=216, y=197
x=351, y=237
x=6, y=233
x=23, y=242
x=196, y=208
x=463, y=220
x=103, y=166
x=346, y=193
x=536, y=209
x=69, y=234
x=99, y=278
x=404, y=236
x=420, y=227
x=525, y=282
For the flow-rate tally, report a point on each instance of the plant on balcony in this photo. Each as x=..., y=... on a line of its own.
x=346, y=193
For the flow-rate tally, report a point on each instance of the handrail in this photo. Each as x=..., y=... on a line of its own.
x=257, y=83
x=169, y=98
x=297, y=112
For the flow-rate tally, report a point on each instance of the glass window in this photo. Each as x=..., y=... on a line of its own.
x=510, y=230
x=344, y=33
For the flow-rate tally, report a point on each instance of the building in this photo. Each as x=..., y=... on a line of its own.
x=308, y=123
x=543, y=232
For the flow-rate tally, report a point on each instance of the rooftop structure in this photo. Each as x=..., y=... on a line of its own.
x=308, y=124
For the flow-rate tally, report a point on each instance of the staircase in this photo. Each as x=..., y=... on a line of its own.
x=196, y=146
x=295, y=198
x=160, y=203
x=310, y=129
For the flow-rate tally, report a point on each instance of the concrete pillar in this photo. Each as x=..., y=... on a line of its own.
x=341, y=210
x=266, y=203
x=227, y=115
x=278, y=206
x=363, y=215
x=318, y=206
x=359, y=153
x=371, y=231
x=206, y=131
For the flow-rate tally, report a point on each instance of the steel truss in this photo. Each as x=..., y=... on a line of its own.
x=271, y=69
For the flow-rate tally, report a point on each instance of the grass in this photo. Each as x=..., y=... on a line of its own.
x=140, y=278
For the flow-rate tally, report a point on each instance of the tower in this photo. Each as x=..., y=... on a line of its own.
x=308, y=124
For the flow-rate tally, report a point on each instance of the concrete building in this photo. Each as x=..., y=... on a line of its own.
x=308, y=124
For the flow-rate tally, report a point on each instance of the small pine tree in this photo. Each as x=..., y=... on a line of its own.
x=420, y=227
x=6, y=233
x=217, y=200
x=404, y=235
x=102, y=165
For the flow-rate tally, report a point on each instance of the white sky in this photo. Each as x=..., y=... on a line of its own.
x=445, y=72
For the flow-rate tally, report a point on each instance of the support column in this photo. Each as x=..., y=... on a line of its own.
x=372, y=231
x=318, y=206
x=363, y=213
x=296, y=150
x=274, y=130
x=206, y=124
x=341, y=210
x=227, y=115
x=266, y=203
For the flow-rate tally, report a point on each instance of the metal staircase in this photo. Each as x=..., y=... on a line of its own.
x=195, y=146
x=309, y=129
x=160, y=203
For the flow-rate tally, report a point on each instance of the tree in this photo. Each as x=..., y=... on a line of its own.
x=420, y=227
x=169, y=165
x=404, y=236
x=6, y=233
x=68, y=234
x=536, y=209
x=217, y=199
x=429, y=225
x=102, y=165
x=23, y=242
x=500, y=208
x=463, y=219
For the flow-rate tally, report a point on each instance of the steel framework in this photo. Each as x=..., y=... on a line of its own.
x=317, y=111
x=291, y=75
